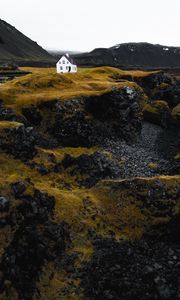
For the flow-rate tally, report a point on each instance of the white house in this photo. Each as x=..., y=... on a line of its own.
x=65, y=65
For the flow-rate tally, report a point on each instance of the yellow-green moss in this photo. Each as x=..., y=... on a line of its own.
x=176, y=112
x=113, y=208
x=52, y=281
x=58, y=154
x=156, y=106
x=45, y=85
x=152, y=165
x=177, y=156
x=8, y=124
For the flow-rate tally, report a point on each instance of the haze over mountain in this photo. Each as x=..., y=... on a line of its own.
x=132, y=55
x=18, y=48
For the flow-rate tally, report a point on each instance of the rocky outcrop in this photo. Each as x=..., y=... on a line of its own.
x=151, y=81
x=37, y=239
x=136, y=270
x=4, y=204
x=90, y=121
x=115, y=113
x=17, y=140
x=157, y=112
x=7, y=114
x=93, y=167
x=32, y=115
x=170, y=94
x=89, y=191
x=176, y=114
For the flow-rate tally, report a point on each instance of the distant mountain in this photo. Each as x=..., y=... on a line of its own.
x=17, y=48
x=132, y=55
x=58, y=53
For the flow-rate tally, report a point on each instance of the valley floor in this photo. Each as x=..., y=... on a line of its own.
x=90, y=186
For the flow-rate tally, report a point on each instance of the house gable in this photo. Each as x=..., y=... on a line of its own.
x=66, y=64
x=63, y=60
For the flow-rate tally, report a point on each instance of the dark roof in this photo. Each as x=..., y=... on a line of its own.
x=70, y=59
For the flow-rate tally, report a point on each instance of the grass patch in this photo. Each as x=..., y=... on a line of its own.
x=153, y=165
x=8, y=124
x=156, y=107
x=45, y=85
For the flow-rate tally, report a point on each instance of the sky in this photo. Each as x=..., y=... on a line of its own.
x=83, y=25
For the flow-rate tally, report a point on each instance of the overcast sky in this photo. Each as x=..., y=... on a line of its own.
x=86, y=24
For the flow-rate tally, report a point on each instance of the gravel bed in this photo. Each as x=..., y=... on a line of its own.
x=137, y=157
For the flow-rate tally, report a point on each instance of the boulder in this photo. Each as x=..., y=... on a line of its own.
x=131, y=270
x=168, y=93
x=7, y=114
x=18, y=140
x=157, y=112
x=176, y=114
x=25, y=256
x=155, y=80
x=18, y=188
x=32, y=115
x=93, y=167
x=87, y=121
x=4, y=204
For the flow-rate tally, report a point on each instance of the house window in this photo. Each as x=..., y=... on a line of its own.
x=61, y=68
x=63, y=61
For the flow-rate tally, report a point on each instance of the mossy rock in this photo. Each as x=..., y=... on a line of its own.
x=176, y=114
x=157, y=112
x=153, y=165
x=8, y=125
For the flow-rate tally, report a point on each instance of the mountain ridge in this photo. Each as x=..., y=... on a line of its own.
x=132, y=55
x=17, y=48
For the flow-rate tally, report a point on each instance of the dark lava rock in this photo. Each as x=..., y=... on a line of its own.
x=95, y=166
x=19, y=141
x=4, y=204
x=18, y=188
x=176, y=115
x=159, y=86
x=155, y=80
x=7, y=114
x=32, y=115
x=42, y=169
x=36, y=240
x=134, y=270
x=91, y=120
x=168, y=142
x=25, y=256
x=169, y=93
x=37, y=207
x=175, y=169
x=157, y=112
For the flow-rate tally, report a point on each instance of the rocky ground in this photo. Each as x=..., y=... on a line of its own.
x=90, y=187
x=143, y=158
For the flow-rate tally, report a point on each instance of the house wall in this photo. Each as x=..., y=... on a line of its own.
x=64, y=66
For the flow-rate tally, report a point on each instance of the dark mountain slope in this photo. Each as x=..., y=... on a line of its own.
x=132, y=55
x=16, y=47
